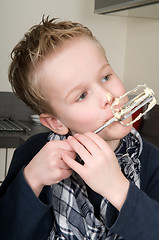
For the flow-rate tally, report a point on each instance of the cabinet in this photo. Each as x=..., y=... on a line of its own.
x=5, y=160
x=128, y=8
x=2, y=163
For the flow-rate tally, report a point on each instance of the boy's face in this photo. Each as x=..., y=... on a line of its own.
x=80, y=86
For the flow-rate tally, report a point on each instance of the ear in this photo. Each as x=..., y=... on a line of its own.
x=53, y=123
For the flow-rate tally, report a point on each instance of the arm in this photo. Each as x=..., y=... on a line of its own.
x=140, y=211
x=138, y=216
x=17, y=219
x=21, y=211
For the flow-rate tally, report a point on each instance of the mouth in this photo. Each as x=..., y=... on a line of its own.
x=102, y=122
x=111, y=112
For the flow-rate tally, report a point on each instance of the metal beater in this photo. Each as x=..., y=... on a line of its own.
x=145, y=99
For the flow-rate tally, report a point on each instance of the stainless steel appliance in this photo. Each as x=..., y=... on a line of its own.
x=11, y=125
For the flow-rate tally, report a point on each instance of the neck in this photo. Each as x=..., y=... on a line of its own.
x=114, y=144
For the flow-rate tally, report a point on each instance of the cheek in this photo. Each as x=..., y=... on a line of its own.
x=86, y=117
x=83, y=121
x=122, y=89
x=117, y=89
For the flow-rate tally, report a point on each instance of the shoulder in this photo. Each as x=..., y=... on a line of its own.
x=34, y=143
x=23, y=154
x=41, y=138
x=149, y=165
x=149, y=150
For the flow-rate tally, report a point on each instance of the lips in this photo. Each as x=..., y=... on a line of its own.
x=106, y=118
x=109, y=110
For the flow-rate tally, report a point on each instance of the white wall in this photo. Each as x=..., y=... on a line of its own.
x=17, y=16
x=142, y=54
x=132, y=44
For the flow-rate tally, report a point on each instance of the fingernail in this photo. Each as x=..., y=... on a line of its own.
x=76, y=135
x=69, y=137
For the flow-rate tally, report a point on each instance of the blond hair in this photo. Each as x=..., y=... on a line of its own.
x=35, y=46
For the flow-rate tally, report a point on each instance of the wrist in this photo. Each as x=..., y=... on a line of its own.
x=32, y=182
x=121, y=194
x=118, y=193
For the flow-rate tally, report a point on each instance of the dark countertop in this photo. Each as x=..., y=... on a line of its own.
x=15, y=139
x=13, y=107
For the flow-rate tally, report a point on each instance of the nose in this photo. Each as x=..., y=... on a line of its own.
x=104, y=96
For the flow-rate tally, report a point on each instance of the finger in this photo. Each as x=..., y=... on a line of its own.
x=102, y=144
x=79, y=148
x=61, y=144
x=77, y=167
x=66, y=174
x=63, y=175
x=63, y=165
x=88, y=143
x=72, y=154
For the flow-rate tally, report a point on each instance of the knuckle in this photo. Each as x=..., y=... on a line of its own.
x=59, y=175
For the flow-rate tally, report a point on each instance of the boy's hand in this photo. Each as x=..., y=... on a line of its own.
x=48, y=167
x=101, y=170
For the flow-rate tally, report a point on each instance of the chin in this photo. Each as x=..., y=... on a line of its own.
x=115, y=131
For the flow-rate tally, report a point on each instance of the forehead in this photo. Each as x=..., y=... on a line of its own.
x=78, y=58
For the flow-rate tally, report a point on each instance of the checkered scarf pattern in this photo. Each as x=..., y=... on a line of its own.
x=74, y=214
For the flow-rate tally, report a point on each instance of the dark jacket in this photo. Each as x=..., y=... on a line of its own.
x=24, y=216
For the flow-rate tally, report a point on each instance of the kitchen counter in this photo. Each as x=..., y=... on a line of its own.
x=15, y=139
x=12, y=107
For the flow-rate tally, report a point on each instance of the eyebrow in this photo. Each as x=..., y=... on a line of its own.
x=80, y=86
x=77, y=87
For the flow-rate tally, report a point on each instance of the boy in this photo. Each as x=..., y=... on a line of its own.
x=82, y=185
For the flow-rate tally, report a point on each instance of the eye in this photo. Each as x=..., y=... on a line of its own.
x=81, y=97
x=105, y=79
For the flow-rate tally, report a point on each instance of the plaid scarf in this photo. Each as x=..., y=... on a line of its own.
x=74, y=214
